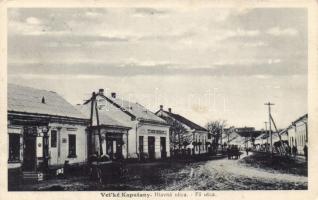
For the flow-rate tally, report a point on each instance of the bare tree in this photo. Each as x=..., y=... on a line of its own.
x=179, y=136
x=215, y=128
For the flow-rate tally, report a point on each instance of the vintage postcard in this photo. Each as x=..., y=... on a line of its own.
x=159, y=100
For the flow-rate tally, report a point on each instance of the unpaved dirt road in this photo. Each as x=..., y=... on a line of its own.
x=221, y=174
x=227, y=174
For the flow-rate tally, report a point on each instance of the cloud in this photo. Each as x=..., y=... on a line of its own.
x=274, y=61
x=92, y=14
x=33, y=20
x=255, y=44
x=226, y=34
x=143, y=12
x=277, y=31
x=275, y=67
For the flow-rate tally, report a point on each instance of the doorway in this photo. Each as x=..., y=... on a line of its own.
x=151, y=147
x=29, y=154
x=163, y=147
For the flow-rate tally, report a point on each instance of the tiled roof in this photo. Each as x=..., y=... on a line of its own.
x=137, y=110
x=29, y=100
x=185, y=121
x=304, y=117
x=104, y=117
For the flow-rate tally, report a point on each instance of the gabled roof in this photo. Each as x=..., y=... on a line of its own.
x=300, y=118
x=105, y=118
x=185, y=121
x=136, y=109
x=23, y=99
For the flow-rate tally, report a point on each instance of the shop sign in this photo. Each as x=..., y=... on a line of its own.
x=39, y=147
x=30, y=131
x=15, y=130
x=151, y=131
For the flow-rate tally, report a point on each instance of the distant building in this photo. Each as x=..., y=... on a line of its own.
x=231, y=137
x=44, y=130
x=148, y=134
x=198, y=135
x=249, y=134
x=261, y=142
x=297, y=133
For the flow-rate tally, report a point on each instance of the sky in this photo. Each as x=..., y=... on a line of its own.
x=205, y=63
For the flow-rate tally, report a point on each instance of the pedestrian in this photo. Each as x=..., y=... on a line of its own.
x=294, y=150
x=246, y=151
x=306, y=151
x=228, y=153
x=289, y=150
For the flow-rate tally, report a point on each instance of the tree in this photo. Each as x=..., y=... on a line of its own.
x=179, y=135
x=215, y=128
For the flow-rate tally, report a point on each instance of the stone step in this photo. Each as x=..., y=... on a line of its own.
x=32, y=176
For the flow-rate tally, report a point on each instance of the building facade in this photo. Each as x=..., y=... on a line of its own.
x=108, y=135
x=197, y=136
x=44, y=131
x=148, y=134
x=298, y=133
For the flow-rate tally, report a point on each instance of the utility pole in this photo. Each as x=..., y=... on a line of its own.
x=266, y=135
x=221, y=138
x=269, y=104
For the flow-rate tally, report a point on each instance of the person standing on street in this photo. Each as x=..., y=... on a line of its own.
x=306, y=151
x=294, y=150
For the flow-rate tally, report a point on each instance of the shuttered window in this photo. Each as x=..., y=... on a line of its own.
x=53, y=138
x=14, y=147
x=71, y=145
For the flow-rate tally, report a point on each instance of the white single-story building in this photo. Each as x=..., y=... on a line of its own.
x=197, y=134
x=44, y=131
x=148, y=134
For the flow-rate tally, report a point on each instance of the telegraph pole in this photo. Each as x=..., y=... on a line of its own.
x=266, y=135
x=269, y=104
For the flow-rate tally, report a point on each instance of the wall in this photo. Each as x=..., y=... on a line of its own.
x=297, y=136
x=143, y=131
x=201, y=136
x=63, y=130
x=104, y=132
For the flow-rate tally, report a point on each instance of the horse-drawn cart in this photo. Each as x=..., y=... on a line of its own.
x=233, y=152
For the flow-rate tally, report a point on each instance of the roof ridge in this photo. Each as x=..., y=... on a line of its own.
x=29, y=87
x=180, y=116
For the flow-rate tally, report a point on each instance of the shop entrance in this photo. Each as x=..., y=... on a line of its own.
x=151, y=147
x=29, y=153
x=163, y=147
x=114, y=142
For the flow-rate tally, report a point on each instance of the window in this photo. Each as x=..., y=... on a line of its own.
x=72, y=146
x=14, y=147
x=141, y=144
x=53, y=138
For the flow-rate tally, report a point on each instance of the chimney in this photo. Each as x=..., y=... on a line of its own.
x=43, y=100
x=161, y=107
x=101, y=91
x=113, y=94
x=169, y=109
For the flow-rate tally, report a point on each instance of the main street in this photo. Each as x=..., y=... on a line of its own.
x=219, y=174
x=227, y=174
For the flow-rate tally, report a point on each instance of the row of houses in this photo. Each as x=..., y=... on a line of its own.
x=45, y=131
x=295, y=135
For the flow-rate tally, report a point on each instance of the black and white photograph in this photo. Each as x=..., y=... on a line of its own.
x=157, y=98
